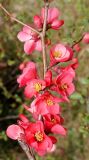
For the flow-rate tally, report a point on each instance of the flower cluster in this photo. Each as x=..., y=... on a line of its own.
x=47, y=93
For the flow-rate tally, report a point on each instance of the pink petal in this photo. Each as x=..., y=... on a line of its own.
x=23, y=118
x=27, y=30
x=29, y=73
x=53, y=14
x=46, y=145
x=58, y=129
x=48, y=78
x=86, y=38
x=22, y=36
x=38, y=46
x=29, y=91
x=71, y=89
x=55, y=109
x=37, y=21
x=14, y=131
x=42, y=108
x=57, y=24
x=29, y=46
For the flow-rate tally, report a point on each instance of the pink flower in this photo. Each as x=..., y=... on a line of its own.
x=14, y=132
x=60, y=53
x=34, y=87
x=86, y=38
x=64, y=85
x=44, y=104
x=52, y=20
x=53, y=123
x=31, y=39
x=37, y=139
x=28, y=73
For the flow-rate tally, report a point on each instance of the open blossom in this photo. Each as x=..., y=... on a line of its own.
x=53, y=123
x=86, y=38
x=52, y=19
x=29, y=72
x=44, y=104
x=60, y=53
x=31, y=40
x=33, y=134
x=34, y=87
x=37, y=139
x=64, y=85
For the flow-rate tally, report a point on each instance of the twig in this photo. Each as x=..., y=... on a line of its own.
x=26, y=150
x=43, y=38
x=50, y=67
x=8, y=117
x=76, y=42
x=16, y=20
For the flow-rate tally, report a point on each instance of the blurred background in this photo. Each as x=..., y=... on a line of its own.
x=76, y=16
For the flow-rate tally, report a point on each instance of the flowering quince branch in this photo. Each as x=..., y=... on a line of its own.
x=45, y=108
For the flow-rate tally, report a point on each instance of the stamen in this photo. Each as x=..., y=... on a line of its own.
x=64, y=86
x=39, y=136
x=57, y=54
x=38, y=87
x=49, y=102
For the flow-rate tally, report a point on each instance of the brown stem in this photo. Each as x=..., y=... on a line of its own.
x=43, y=38
x=8, y=117
x=26, y=149
x=76, y=42
x=16, y=20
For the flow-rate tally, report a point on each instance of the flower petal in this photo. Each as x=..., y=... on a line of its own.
x=58, y=129
x=29, y=46
x=22, y=36
x=14, y=131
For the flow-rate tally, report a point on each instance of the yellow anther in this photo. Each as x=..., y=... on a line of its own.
x=57, y=54
x=53, y=120
x=49, y=102
x=39, y=136
x=38, y=87
x=64, y=86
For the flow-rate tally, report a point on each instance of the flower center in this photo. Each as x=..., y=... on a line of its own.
x=38, y=87
x=64, y=86
x=57, y=54
x=49, y=102
x=39, y=136
x=53, y=120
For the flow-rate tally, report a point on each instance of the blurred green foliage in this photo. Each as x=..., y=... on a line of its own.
x=76, y=16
